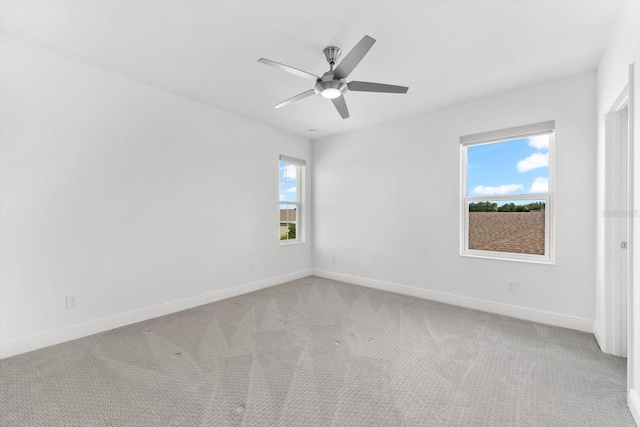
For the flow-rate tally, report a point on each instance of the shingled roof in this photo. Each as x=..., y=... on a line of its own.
x=288, y=215
x=515, y=232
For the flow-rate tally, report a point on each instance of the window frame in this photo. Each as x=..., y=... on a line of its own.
x=299, y=202
x=503, y=135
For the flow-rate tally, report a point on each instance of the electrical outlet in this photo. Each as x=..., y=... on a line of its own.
x=332, y=260
x=512, y=287
x=72, y=301
x=251, y=268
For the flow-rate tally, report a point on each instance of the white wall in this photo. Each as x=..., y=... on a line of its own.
x=387, y=206
x=622, y=50
x=137, y=201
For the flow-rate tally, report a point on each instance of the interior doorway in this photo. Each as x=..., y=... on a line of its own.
x=617, y=214
x=613, y=243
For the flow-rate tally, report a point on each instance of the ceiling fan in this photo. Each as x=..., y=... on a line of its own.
x=333, y=85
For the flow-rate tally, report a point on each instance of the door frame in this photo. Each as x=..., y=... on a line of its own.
x=614, y=331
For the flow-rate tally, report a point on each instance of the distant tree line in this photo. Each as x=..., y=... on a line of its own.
x=507, y=207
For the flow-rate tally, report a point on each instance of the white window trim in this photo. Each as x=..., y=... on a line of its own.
x=500, y=136
x=300, y=234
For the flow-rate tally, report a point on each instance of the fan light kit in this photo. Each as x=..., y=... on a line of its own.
x=327, y=89
x=333, y=85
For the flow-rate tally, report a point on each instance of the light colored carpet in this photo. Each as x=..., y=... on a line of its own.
x=316, y=352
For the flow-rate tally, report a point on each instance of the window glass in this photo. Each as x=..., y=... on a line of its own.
x=507, y=199
x=289, y=201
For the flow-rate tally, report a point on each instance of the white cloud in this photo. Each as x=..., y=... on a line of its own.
x=540, y=185
x=289, y=191
x=539, y=142
x=290, y=171
x=534, y=161
x=500, y=190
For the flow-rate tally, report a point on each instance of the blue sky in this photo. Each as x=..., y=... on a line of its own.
x=517, y=166
x=288, y=183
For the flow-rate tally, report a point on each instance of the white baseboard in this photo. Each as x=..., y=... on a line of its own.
x=634, y=405
x=548, y=318
x=101, y=325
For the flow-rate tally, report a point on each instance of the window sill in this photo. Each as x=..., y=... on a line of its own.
x=295, y=242
x=499, y=257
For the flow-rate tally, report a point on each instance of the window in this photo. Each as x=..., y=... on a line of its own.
x=507, y=193
x=290, y=199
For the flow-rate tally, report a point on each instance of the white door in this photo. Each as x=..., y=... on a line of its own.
x=617, y=187
x=623, y=227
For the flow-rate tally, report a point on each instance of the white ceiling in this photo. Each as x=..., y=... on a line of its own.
x=445, y=51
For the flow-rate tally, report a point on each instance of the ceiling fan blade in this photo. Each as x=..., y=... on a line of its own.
x=341, y=106
x=289, y=69
x=376, y=87
x=353, y=58
x=296, y=98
